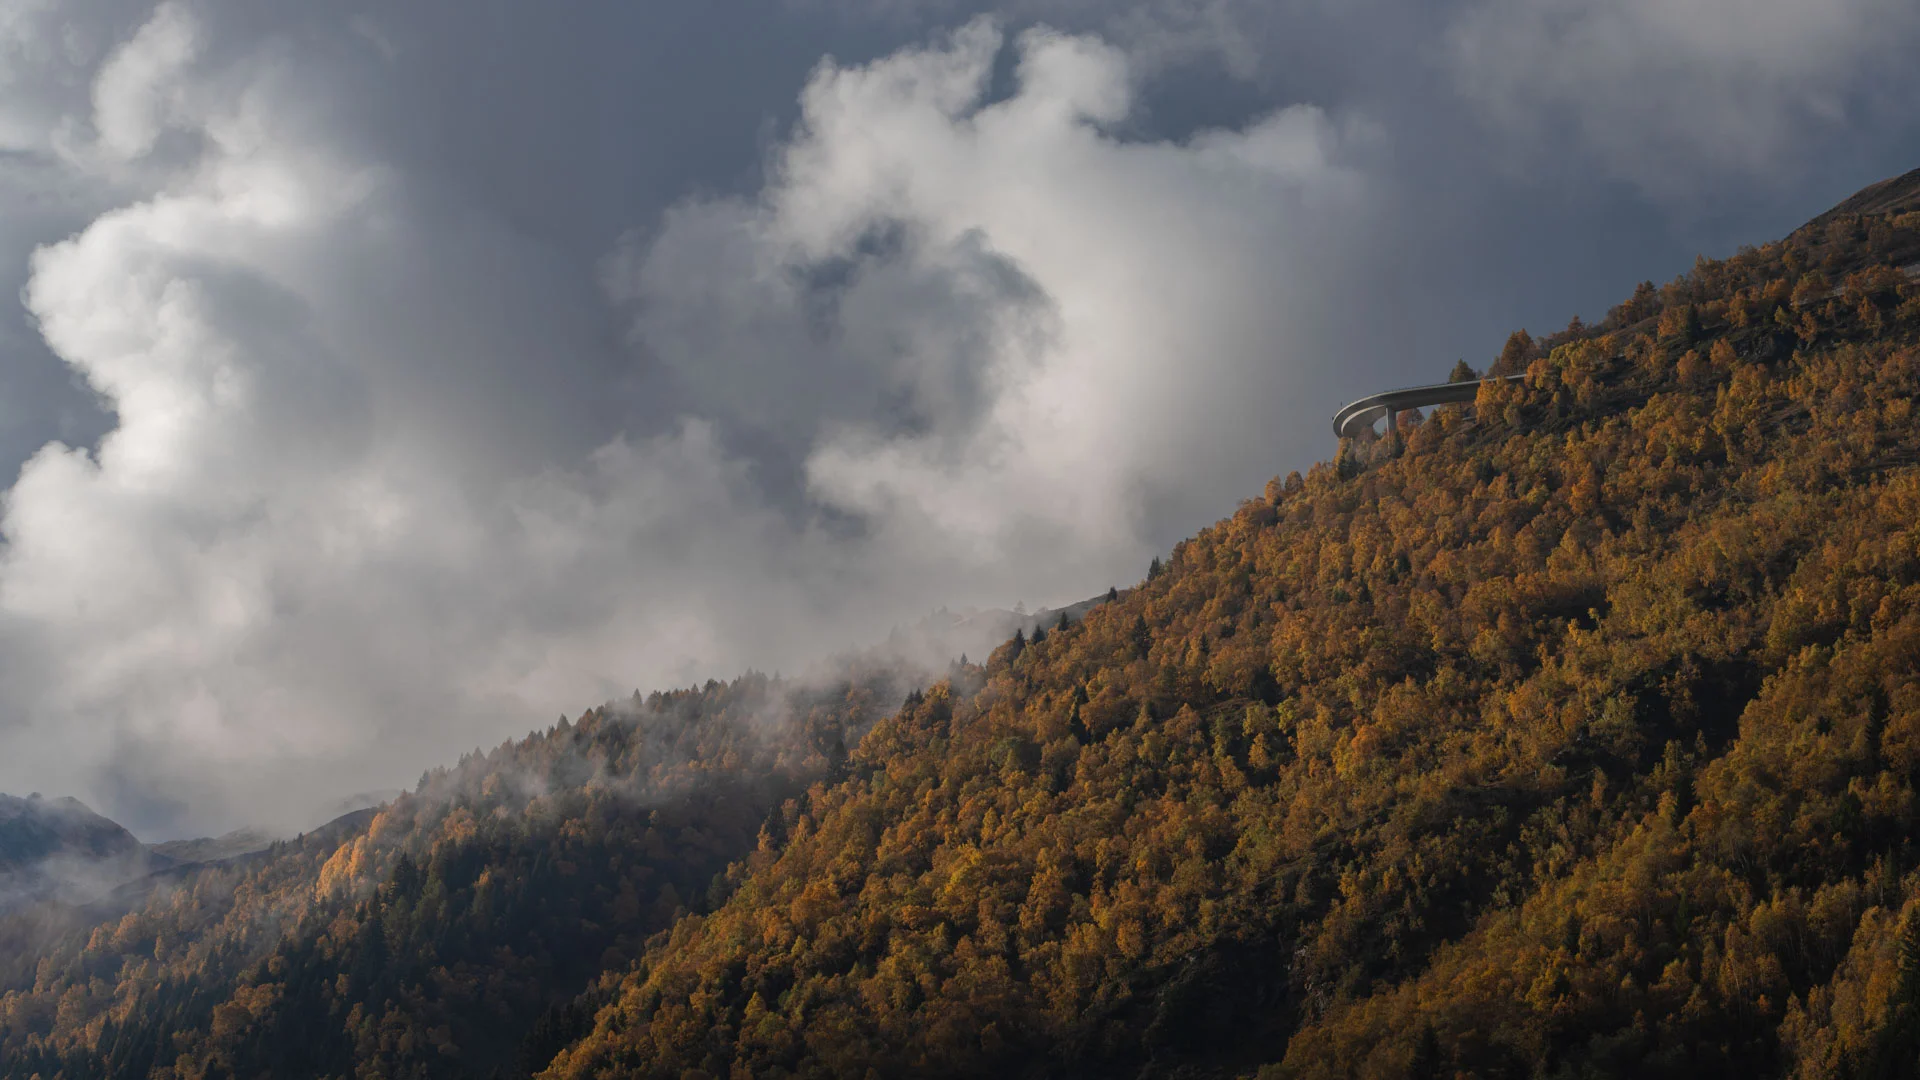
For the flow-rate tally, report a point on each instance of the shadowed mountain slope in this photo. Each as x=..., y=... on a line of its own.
x=60, y=849
x=432, y=935
x=35, y=829
x=215, y=848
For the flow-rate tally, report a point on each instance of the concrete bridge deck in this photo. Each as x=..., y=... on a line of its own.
x=1357, y=418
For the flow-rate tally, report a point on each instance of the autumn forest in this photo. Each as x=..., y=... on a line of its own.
x=1573, y=732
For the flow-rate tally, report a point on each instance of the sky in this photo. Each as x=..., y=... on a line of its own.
x=387, y=380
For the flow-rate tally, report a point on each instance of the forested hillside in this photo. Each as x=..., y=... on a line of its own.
x=1575, y=732
x=447, y=933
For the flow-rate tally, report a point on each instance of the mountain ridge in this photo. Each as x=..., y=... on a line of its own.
x=60, y=849
x=1894, y=195
x=1574, y=731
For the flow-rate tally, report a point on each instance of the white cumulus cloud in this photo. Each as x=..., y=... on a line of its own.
x=360, y=504
x=1037, y=329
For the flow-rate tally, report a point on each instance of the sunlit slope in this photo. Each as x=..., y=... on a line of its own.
x=1573, y=733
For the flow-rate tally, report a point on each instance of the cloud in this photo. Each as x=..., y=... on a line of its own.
x=364, y=499
x=1248, y=37
x=135, y=95
x=1678, y=96
x=455, y=371
x=47, y=58
x=1684, y=100
x=1033, y=327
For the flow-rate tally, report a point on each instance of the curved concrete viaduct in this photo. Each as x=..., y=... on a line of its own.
x=1356, y=420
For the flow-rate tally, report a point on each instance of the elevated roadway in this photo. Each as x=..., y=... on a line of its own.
x=1356, y=419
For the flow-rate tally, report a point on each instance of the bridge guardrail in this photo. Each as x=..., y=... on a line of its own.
x=1356, y=418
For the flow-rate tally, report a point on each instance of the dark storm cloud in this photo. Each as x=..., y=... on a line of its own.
x=391, y=378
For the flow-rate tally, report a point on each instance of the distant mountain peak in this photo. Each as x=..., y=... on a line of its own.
x=60, y=848
x=35, y=827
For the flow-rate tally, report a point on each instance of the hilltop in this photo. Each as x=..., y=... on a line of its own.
x=1572, y=732
x=60, y=849
x=1886, y=200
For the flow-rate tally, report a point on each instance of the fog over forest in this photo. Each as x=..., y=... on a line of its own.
x=388, y=380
